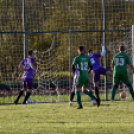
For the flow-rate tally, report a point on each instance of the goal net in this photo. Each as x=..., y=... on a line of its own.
x=43, y=26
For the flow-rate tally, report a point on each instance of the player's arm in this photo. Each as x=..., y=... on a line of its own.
x=90, y=66
x=103, y=50
x=73, y=69
x=33, y=67
x=73, y=65
x=21, y=67
x=113, y=64
x=130, y=64
x=132, y=67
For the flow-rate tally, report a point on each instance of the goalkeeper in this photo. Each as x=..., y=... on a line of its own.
x=119, y=63
x=97, y=68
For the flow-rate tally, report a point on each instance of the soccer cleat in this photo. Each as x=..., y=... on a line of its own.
x=70, y=103
x=79, y=107
x=15, y=102
x=24, y=103
x=93, y=102
x=98, y=102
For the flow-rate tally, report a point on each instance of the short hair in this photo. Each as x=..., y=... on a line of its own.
x=122, y=48
x=30, y=52
x=90, y=50
x=81, y=48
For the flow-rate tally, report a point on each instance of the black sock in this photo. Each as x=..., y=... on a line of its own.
x=72, y=96
x=26, y=97
x=20, y=94
x=97, y=92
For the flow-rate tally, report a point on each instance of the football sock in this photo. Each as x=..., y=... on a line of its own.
x=78, y=98
x=113, y=93
x=131, y=91
x=27, y=96
x=92, y=93
x=20, y=94
x=97, y=92
x=72, y=96
x=89, y=94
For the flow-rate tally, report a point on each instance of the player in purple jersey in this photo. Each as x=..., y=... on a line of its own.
x=27, y=66
x=97, y=68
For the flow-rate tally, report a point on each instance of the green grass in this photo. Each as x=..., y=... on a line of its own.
x=64, y=98
x=60, y=118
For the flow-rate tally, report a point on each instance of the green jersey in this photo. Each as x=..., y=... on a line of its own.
x=83, y=62
x=120, y=62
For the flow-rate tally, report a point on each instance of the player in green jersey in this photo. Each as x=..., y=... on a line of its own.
x=119, y=63
x=83, y=63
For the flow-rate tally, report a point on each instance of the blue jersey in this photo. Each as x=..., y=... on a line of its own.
x=95, y=61
x=28, y=71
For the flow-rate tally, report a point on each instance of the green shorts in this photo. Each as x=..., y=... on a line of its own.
x=123, y=78
x=82, y=82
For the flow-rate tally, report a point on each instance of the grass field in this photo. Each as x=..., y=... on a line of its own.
x=60, y=118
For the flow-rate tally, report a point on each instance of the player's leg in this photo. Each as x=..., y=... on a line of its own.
x=72, y=97
x=109, y=73
x=27, y=95
x=90, y=91
x=21, y=91
x=96, y=78
x=97, y=93
x=29, y=84
x=105, y=72
x=130, y=88
x=78, y=87
x=113, y=92
x=72, y=93
x=126, y=80
x=85, y=91
x=92, y=100
x=116, y=81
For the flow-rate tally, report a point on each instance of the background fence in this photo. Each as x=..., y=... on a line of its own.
x=51, y=28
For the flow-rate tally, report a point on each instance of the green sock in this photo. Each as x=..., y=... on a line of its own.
x=78, y=98
x=113, y=93
x=89, y=94
x=131, y=91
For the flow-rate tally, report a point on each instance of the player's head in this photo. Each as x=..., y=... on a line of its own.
x=81, y=49
x=30, y=53
x=90, y=52
x=122, y=48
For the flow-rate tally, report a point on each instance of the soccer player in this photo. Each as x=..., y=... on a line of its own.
x=83, y=63
x=119, y=63
x=73, y=89
x=27, y=66
x=97, y=68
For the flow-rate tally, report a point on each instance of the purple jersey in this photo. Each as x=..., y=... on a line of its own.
x=28, y=71
x=95, y=61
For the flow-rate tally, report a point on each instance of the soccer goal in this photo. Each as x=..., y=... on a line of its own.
x=54, y=29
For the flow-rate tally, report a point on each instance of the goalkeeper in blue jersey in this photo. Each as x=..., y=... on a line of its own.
x=73, y=89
